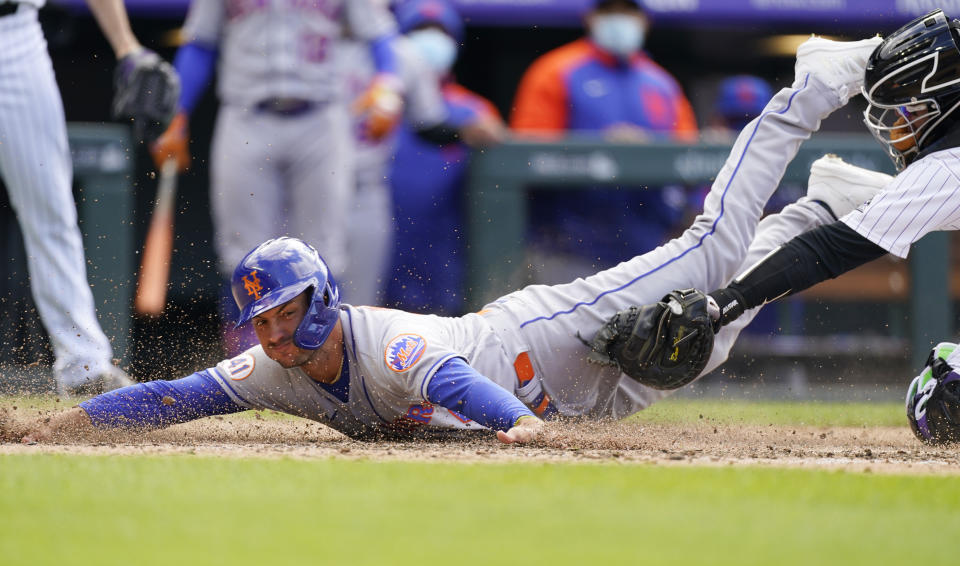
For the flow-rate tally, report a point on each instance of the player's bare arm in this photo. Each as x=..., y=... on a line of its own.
x=111, y=16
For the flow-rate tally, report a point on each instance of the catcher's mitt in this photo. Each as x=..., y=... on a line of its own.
x=664, y=345
x=146, y=89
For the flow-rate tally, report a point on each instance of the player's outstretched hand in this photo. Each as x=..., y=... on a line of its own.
x=13, y=429
x=70, y=424
x=526, y=429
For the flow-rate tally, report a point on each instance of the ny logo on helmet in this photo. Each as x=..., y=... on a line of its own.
x=252, y=285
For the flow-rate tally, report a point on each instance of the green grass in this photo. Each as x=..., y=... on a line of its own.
x=59, y=509
x=187, y=510
x=812, y=413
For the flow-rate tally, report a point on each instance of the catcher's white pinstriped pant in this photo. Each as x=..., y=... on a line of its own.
x=36, y=168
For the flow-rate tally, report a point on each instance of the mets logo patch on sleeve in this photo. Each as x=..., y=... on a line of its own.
x=240, y=367
x=404, y=351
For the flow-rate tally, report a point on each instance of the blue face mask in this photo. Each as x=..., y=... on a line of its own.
x=620, y=34
x=438, y=49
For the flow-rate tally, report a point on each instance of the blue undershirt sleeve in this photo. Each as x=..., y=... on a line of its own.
x=384, y=57
x=157, y=404
x=460, y=388
x=194, y=63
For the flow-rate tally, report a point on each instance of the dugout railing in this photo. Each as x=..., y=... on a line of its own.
x=500, y=179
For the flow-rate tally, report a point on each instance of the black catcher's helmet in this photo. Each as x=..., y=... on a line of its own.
x=912, y=86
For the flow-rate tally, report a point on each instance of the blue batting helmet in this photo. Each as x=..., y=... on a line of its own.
x=278, y=270
x=416, y=13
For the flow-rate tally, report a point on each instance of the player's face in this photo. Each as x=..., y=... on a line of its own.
x=900, y=136
x=275, y=329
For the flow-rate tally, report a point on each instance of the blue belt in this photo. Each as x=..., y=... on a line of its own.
x=9, y=8
x=286, y=106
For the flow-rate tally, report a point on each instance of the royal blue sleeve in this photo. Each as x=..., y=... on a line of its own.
x=194, y=63
x=157, y=404
x=384, y=57
x=460, y=388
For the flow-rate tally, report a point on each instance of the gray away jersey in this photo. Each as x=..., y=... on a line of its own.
x=392, y=356
x=282, y=48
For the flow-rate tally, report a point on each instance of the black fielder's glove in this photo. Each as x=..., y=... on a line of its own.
x=146, y=89
x=664, y=345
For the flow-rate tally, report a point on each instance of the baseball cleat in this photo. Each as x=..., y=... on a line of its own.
x=112, y=378
x=841, y=186
x=839, y=65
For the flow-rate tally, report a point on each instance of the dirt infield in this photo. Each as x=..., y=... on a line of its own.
x=873, y=450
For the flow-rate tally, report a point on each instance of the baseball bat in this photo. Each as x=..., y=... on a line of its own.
x=158, y=247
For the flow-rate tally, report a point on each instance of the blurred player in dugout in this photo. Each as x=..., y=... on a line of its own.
x=739, y=99
x=281, y=160
x=428, y=178
x=603, y=84
x=440, y=121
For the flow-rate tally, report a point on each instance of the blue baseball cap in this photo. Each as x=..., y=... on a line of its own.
x=741, y=98
x=416, y=13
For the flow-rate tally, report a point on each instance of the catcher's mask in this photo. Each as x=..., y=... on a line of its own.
x=278, y=270
x=912, y=86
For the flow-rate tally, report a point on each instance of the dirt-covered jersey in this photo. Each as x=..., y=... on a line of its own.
x=390, y=358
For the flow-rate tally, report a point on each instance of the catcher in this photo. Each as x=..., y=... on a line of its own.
x=543, y=352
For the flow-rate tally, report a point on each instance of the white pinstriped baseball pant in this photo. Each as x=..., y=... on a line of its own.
x=37, y=170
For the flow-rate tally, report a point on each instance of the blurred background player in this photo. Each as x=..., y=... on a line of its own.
x=604, y=84
x=428, y=179
x=739, y=99
x=282, y=151
x=37, y=170
x=429, y=122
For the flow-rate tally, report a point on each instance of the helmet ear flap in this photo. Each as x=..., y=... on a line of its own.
x=322, y=314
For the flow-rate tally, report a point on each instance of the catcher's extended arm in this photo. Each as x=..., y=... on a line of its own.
x=664, y=345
